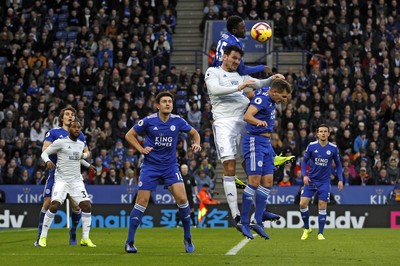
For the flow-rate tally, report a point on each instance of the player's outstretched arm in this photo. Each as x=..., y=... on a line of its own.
x=248, y=70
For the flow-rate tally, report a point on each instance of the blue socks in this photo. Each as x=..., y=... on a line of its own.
x=41, y=218
x=247, y=201
x=135, y=219
x=305, y=216
x=321, y=221
x=261, y=202
x=184, y=214
x=75, y=217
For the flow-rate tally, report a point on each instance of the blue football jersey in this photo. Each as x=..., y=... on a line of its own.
x=162, y=137
x=320, y=159
x=228, y=39
x=266, y=111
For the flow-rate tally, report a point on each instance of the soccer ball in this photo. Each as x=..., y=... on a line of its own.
x=261, y=32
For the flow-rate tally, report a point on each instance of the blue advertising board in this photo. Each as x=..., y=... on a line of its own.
x=108, y=194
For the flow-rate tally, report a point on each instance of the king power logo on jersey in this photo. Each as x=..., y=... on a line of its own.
x=293, y=220
x=8, y=220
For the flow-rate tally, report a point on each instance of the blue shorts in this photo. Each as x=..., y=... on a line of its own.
x=48, y=187
x=151, y=176
x=322, y=189
x=259, y=155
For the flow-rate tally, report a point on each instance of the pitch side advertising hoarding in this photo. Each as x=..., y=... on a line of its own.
x=117, y=216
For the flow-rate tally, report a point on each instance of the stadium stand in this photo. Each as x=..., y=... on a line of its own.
x=352, y=76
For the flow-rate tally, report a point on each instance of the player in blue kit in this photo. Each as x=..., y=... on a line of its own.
x=160, y=164
x=259, y=154
x=319, y=156
x=236, y=31
x=65, y=117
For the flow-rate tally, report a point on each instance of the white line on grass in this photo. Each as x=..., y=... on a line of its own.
x=238, y=247
x=17, y=230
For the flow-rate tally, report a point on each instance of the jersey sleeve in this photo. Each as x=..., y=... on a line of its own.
x=248, y=70
x=184, y=125
x=213, y=84
x=259, y=102
x=141, y=126
x=50, y=136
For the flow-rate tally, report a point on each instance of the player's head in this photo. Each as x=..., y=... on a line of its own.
x=231, y=58
x=235, y=25
x=75, y=128
x=165, y=102
x=280, y=90
x=66, y=116
x=323, y=132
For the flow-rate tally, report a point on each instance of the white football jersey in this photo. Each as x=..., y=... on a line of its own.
x=231, y=104
x=69, y=154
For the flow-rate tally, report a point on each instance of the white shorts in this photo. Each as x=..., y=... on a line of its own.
x=76, y=191
x=228, y=135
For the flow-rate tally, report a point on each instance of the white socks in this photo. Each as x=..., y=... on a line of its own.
x=231, y=194
x=86, y=223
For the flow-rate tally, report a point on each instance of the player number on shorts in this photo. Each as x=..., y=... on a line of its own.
x=179, y=176
x=83, y=194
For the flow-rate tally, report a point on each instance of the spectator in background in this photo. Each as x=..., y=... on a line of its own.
x=383, y=178
x=39, y=178
x=129, y=178
x=394, y=196
x=361, y=141
x=210, y=15
x=9, y=134
x=24, y=178
x=194, y=116
x=202, y=178
x=37, y=133
x=393, y=171
x=285, y=181
x=112, y=177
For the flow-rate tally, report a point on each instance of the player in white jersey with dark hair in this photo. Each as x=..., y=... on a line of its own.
x=319, y=156
x=68, y=180
x=229, y=102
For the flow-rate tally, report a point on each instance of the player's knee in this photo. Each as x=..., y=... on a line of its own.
x=303, y=204
x=229, y=165
x=142, y=202
x=181, y=200
x=76, y=208
x=85, y=206
x=54, y=206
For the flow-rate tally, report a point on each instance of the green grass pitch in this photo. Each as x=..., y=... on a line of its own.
x=160, y=246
